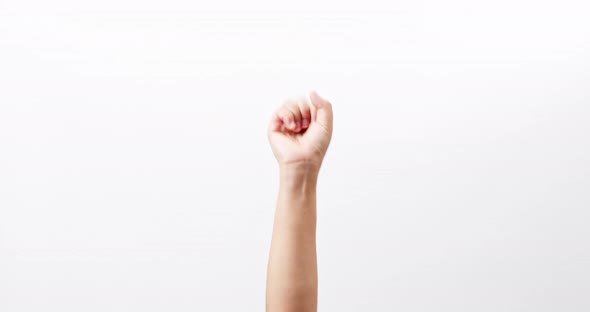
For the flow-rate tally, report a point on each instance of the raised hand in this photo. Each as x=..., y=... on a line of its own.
x=300, y=131
x=299, y=134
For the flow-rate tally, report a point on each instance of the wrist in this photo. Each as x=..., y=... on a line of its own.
x=301, y=168
x=302, y=174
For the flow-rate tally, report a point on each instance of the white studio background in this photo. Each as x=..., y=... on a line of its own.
x=135, y=174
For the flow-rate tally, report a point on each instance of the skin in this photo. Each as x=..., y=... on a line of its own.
x=299, y=134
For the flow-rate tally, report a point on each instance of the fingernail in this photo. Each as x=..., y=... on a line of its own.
x=314, y=98
x=304, y=123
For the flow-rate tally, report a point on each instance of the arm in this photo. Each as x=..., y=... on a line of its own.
x=299, y=133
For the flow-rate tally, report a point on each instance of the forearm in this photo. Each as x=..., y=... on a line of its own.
x=292, y=269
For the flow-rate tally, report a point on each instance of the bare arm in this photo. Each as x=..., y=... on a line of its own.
x=299, y=134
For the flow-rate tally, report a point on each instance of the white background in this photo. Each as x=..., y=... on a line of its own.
x=135, y=174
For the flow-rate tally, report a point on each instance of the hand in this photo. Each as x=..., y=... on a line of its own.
x=300, y=132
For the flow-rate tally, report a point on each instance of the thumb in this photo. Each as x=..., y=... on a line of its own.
x=323, y=111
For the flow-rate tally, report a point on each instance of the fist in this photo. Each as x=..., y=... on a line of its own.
x=300, y=131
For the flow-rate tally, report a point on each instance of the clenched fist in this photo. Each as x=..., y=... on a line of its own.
x=300, y=131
